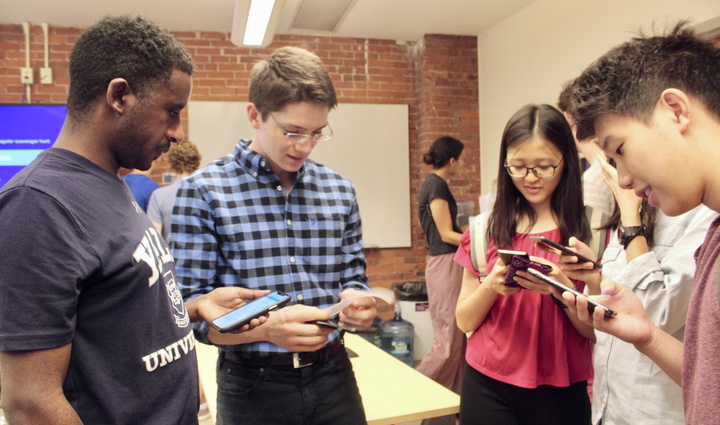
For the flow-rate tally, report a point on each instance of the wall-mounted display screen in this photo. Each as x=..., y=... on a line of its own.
x=25, y=131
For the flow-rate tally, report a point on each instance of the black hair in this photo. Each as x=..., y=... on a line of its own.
x=629, y=79
x=126, y=47
x=567, y=199
x=442, y=150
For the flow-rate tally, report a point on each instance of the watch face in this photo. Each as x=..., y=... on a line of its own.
x=621, y=233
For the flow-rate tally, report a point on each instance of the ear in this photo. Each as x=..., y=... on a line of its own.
x=678, y=106
x=254, y=115
x=117, y=94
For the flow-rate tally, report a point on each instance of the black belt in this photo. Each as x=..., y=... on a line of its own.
x=295, y=360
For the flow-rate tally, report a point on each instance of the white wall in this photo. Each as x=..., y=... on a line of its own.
x=370, y=148
x=528, y=57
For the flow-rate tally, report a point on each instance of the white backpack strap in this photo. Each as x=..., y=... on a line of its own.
x=478, y=241
x=598, y=236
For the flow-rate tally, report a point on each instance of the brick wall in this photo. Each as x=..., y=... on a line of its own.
x=436, y=76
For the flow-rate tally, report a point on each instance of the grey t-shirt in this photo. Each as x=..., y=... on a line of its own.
x=161, y=204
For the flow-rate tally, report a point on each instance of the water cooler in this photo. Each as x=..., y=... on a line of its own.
x=415, y=308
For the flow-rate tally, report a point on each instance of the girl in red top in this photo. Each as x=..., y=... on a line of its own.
x=528, y=361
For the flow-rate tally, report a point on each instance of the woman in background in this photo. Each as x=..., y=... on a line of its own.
x=528, y=361
x=438, y=215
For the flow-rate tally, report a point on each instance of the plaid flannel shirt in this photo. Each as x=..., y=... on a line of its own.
x=233, y=225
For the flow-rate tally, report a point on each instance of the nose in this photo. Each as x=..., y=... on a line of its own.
x=305, y=147
x=175, y=133
x=625, y=179
x=531, y=176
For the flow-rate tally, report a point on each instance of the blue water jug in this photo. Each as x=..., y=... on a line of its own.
x=397, y=338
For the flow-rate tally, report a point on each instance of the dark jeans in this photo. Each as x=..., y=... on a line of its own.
x=486, y=401
x=323, y=393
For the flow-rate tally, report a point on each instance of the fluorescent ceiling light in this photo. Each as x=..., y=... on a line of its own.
x=255, y=21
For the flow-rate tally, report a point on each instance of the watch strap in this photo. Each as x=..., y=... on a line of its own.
x=627, y=234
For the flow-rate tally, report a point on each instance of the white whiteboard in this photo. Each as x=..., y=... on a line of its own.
x=370, y=147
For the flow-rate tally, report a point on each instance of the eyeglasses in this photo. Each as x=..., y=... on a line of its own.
x=541, y=171
x=302, y=138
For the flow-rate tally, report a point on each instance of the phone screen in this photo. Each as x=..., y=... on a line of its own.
x=591, y=302
x=256, y=308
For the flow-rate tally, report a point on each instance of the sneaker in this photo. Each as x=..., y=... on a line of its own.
x=203, y=413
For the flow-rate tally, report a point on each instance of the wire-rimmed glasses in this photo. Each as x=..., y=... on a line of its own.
x=302, y=138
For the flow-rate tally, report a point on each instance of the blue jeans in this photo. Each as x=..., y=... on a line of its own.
x=324, y=393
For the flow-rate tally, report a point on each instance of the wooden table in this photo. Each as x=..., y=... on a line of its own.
x=392, y=392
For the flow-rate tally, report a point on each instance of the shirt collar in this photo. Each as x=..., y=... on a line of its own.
x=254, y=163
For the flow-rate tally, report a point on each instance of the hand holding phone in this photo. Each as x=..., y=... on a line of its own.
x=241, y=316
x=520, y=260
x=332, y=324
x=592, y=304
x=565, y=250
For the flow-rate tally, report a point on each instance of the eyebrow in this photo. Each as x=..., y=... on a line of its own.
x=297, y=128
x=608, y=140
x=547, y=158
x=177, y=105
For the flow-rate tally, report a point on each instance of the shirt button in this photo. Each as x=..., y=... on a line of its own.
x=300, y=298
x=292, y=259
x=262, y=163
x=289, y=222
x=279, y=188
x=254, y=174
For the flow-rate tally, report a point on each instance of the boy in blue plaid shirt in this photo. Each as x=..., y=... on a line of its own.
x=268, y=217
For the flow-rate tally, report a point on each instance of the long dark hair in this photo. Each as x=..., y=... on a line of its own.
x=567, y=199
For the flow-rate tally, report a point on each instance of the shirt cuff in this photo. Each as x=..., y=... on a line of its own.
x=201, y=329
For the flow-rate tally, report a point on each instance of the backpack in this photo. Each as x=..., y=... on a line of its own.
x=479, y=237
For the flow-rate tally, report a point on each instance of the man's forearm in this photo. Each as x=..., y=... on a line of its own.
x=666, y=352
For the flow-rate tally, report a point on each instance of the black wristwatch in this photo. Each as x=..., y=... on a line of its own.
x=627, y=234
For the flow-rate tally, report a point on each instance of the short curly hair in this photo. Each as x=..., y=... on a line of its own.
x=629, y=79
x=126, y=47
x=184, y=157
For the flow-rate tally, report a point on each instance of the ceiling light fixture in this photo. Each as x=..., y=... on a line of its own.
x=254, y=21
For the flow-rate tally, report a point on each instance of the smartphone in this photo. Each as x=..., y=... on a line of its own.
x=565, y=250
x=522, y=263
x=243, y=315
x=591, y=302
x=506, y=255
x=369, y=330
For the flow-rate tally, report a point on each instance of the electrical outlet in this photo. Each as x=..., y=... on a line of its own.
x=26, y=76
x=46, y=76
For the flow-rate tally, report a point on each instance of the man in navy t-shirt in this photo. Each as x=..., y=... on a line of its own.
x=93, y=328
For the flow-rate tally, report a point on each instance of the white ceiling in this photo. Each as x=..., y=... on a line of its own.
x=403, y=20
